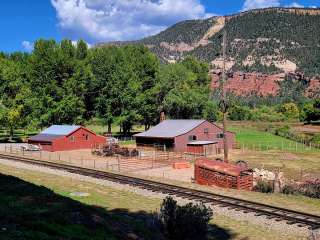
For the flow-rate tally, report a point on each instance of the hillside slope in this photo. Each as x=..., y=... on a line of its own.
x=269, y=41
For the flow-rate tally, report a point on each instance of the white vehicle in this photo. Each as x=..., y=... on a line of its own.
x=30, y=147
x=112, y=140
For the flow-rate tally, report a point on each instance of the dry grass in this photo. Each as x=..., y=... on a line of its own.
x=295, y=165
x=110, y=198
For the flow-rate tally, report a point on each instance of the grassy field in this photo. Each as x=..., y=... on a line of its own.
x=46, y=210
x=250, y=138
x=262, y=149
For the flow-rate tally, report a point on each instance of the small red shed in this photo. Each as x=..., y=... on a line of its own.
x=203, y=147
x=222, y=174
x=66, y=137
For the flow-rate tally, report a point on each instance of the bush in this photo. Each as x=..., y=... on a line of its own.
x=184, y=222
x=283, y=131
x=290, y=110
x=308, y=188
x=238, y=113
x=266, y=113
x=289, y=189
x=311, y=188
x=263, y=186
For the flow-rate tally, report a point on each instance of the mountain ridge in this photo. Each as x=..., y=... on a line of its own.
x=263, y=41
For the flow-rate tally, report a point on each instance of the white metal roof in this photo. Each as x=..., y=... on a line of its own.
x=60, y=129
x=171, y=128
x=202, y=142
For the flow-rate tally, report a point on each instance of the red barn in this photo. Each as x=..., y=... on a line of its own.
x=184, y=135
x=222, y=174
x=66, y=137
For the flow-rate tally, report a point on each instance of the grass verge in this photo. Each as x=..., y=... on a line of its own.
x=115, y=211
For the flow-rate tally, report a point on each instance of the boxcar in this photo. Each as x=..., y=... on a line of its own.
x=227, y=175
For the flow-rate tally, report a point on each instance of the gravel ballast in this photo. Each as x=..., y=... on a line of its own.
x=270, y=224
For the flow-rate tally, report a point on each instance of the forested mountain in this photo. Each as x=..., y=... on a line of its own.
x=268, y=41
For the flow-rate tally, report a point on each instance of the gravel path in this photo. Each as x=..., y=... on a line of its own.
x=234, y=214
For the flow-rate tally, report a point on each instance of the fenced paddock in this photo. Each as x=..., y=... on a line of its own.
x=289, y=146
x=147, y=159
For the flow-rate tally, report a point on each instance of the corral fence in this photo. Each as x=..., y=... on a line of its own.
x=281, y=146
x=147, y=159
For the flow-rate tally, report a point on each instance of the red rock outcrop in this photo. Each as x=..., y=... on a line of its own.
x=313, y=90
x=243, y=84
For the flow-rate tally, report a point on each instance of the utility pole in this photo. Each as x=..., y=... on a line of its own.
x=224, y=98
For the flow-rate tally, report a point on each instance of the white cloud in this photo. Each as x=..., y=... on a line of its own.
x=28, y=46
x=111, y=20
x=254, y=4
x=295, y=5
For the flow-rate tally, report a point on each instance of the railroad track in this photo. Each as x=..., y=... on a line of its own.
x=278, y=214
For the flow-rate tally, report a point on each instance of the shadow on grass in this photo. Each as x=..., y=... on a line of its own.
x=28, y=211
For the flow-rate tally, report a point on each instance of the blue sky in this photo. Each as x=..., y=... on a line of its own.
x=24, y=21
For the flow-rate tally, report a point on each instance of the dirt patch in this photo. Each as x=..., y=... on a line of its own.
x=309, y=129
x=289, y=156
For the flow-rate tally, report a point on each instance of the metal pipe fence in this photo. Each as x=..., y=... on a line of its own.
x=145, y=160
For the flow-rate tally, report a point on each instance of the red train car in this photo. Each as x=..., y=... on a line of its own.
x=221, y=174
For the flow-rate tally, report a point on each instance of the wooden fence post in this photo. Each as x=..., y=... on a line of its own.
x=118, y=163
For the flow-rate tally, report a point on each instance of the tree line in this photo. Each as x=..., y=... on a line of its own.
x=66, y=83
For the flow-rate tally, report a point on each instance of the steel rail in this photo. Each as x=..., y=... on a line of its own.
x=272, y=212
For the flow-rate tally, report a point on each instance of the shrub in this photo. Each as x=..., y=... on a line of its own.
x=290, y=110
x=289, y=189
x=311, y=188
x=308, y=188
x=184, y=222
x=238, y=113
x=283, y=131
x=263, y=186
x=265, y=113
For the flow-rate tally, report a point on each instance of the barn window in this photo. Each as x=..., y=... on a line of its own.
x=192, y=138
x=87, y=137
x=72, y=138
x=220, y=135
x=206, y=130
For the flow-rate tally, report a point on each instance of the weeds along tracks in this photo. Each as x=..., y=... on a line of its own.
x=279, y=214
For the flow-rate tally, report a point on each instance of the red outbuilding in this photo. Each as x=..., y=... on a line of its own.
x=222, y=174
x=195, y=136
x=66, y=137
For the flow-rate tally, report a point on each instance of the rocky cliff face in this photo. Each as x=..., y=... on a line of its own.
x=263, y=85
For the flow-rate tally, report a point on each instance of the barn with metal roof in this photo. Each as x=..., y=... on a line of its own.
x=66, y=137
x=178, y=134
